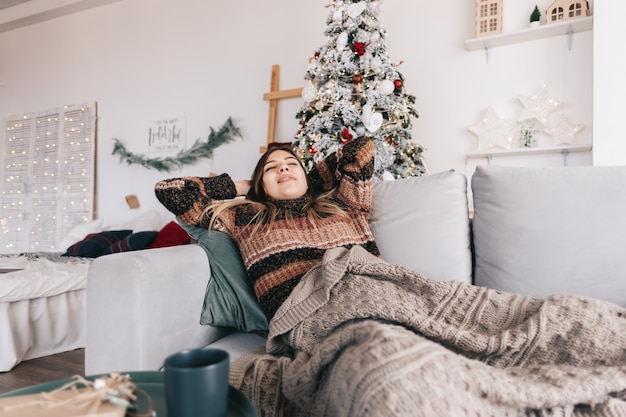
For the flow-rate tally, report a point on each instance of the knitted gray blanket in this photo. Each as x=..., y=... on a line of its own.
x=361, y=337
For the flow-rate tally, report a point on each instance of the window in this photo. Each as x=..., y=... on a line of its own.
x=575, y=9
x=483, y=26
x=493, y=9
x=493, y=25
x=557, y=14
x=483, y=10
x=48, y=177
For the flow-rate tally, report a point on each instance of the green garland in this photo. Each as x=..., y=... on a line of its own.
x=226, y=134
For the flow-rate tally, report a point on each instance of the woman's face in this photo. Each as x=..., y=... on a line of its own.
x=283, y=176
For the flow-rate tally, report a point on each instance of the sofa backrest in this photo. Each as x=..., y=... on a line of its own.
x=541, y=231
x=423, y=223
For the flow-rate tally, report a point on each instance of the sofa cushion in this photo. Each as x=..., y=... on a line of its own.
x=149, y=220
x=94, y=244
x=229, y=299
x=80, y=231
x=170, y=235
x=540, y=231
x=423, y=223
x=134, y=241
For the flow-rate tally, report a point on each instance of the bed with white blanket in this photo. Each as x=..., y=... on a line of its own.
x=42, y=305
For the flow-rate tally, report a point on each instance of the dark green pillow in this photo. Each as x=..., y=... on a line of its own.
x=229, y=300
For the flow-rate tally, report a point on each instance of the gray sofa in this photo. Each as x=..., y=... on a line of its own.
x=534, y=231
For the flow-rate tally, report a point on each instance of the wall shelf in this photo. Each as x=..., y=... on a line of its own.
x=529, y=151
x=545, y=31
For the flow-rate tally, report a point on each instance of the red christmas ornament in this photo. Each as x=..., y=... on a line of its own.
x=357, y=78
x=316, y=54
x=312, y=151
x=346, y=136
x=389, y=140
x=397, y=84
x=358, y=48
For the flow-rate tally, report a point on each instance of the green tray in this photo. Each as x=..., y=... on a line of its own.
x=152, y=383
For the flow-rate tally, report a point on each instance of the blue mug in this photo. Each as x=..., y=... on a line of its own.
x=196, y=383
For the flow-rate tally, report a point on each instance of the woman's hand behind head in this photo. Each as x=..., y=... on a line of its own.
x=242, y=187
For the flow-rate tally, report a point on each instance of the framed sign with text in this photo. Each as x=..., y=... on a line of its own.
x=166, y=136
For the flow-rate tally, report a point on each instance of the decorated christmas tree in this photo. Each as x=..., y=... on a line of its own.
x=354, y=90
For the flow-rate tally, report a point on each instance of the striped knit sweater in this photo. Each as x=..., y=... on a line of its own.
x=277, y=256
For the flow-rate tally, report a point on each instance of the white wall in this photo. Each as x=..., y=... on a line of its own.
x=609, y=84
x=144, y=60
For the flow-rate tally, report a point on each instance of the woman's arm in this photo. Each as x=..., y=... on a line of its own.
x=322, y=175
x=355, y=169
x=188, y=197
x=355, y=159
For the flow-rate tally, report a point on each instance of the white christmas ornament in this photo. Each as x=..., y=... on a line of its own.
x=493, y=131
x=386, y=87
x=355, y=9
x=371, y=120
x=563, y=132
x=342, y=41
x=538, y=106
x=308, y=92
x=375, y=122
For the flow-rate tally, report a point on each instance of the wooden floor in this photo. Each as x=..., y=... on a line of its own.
x=45, y=369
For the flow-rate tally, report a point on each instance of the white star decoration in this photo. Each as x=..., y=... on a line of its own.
x=493, y=131
x=563, y=132
x=538, y=106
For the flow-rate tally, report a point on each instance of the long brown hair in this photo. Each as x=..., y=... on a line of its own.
x=265, y=211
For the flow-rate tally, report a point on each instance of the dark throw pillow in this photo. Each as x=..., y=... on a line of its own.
x=229, y=299
x=93, y=245
x=135, y=241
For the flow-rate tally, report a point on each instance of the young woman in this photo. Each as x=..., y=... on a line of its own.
x=384, y=340
x=288, y=219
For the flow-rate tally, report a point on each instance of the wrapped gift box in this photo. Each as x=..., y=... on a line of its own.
x=58, y=404
x=105, y=396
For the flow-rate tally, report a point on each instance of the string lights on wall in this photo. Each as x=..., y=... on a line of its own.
x=48, y=176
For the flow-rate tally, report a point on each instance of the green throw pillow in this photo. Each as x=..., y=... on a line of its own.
x=229, y=300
